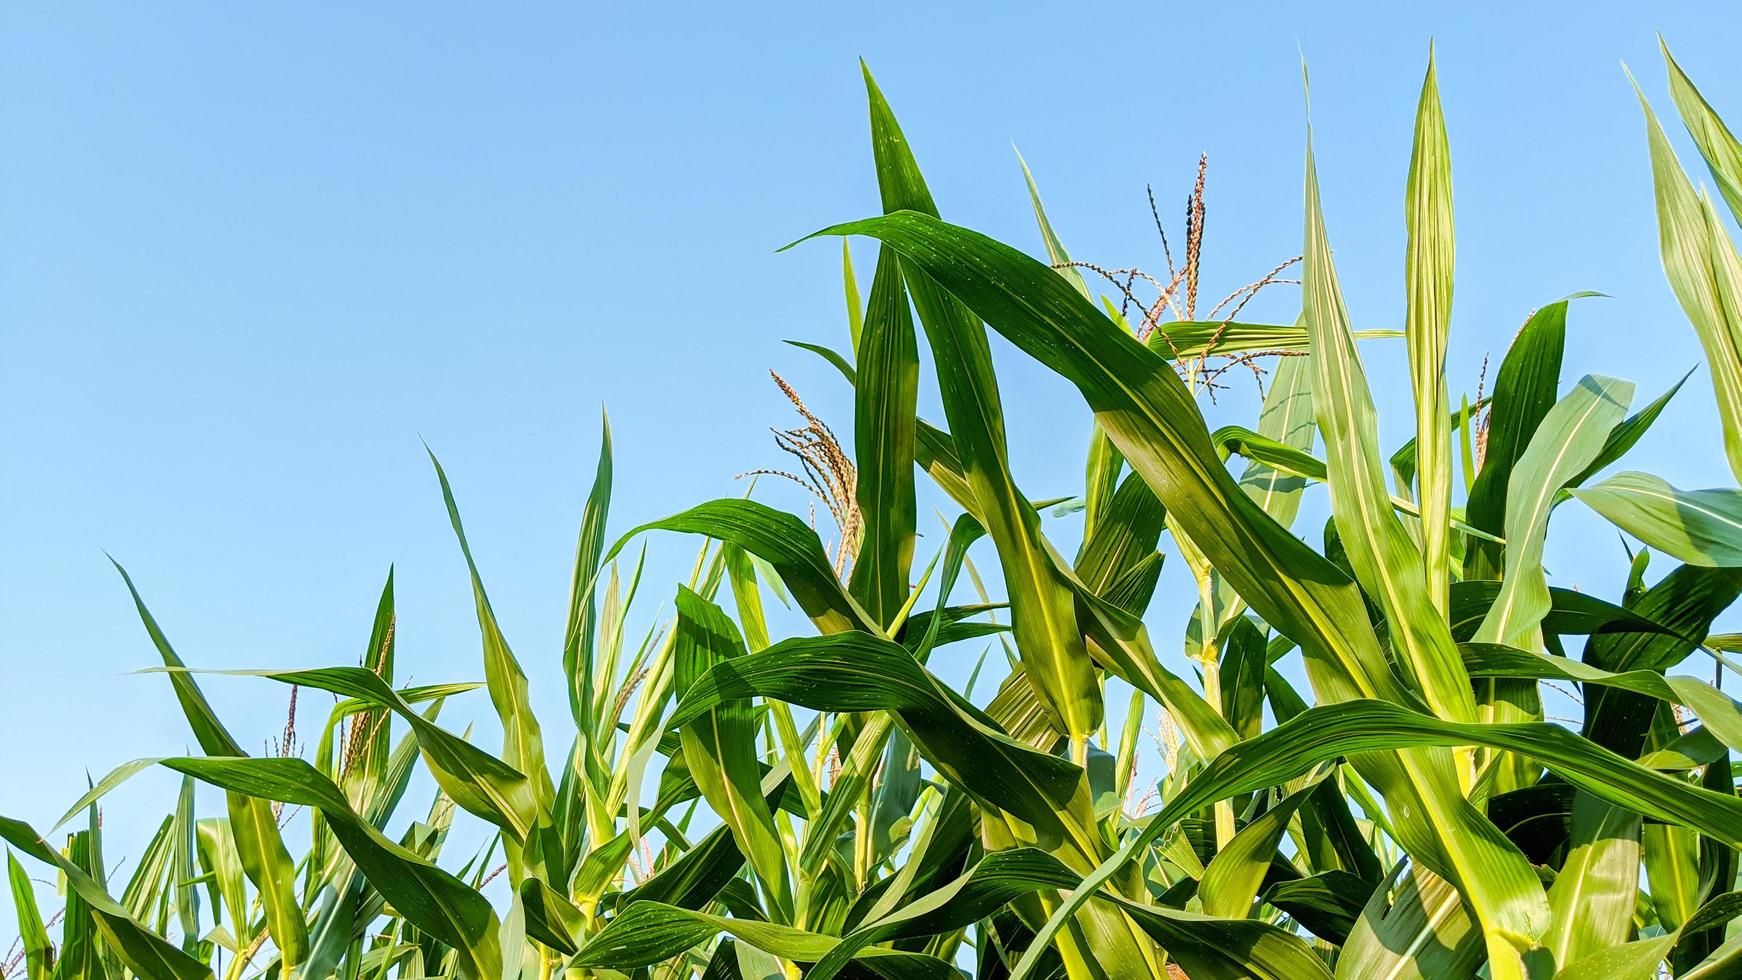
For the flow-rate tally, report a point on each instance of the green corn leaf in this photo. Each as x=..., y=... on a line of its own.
x=522, y=740
x=860, y=759
x=1125, y=535
x=1055, y=249
x=1415, y=928
x=1706, y=276
x=426, y=896
x=1525, y=388
x=1101, y=473
x=1185, y=340
x=697, y=876
x=855, y=308
x=1286, y=418
x=184, y=858
x=1272, y=454
x=1403, y=462
x=602, y=865
x=365, y=769
x=82, y=953
x=219, y=862
x=1207, y=946
x=265, y=859
x=648, y=932
x=1637, y=960
x=1715, y=709
x=1723, y=154
x=1684, y=603
x=145, y=953
x=1569, y=437
x=145, y=888
x=1120, y=643
x=32, y=933
x=1385, y=559
x=421, y=694
x=1231, y=881
x=1297, y=464
x=1710, y=920
x=1043, y=615
x=834, y=358
x=1328, y=904
x=1326, y=732
x=482, y=784
x=549, y=917
x=1570, y=612
x=886, y=393
x=1626, y=435
x=1700, y=527
x=1244, y=664
x=1428, y=277
x=1671, y=858
x=860, y=672
x=578, y=636
x=1334, y=840
x=782, y=540
x=720, y=745
x=1146, y=410
x=1592, y=898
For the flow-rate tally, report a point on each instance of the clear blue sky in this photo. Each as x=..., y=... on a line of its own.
x=249, y=255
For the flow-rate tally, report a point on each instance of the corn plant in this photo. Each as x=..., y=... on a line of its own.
x=736, y=804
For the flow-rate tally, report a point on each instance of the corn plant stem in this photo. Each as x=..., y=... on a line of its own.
x=906, y=609
x=1212, y=666
x=862, y=842
x=1080, y=750
x=792, y=745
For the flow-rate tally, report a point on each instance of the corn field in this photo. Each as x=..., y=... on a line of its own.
x=722, y=802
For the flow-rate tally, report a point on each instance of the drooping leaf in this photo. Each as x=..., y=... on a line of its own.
x=481, y=783
x=782, y=540
x=1185, y=340
x=1700, y=527
x=1715, y=709
x=145, y=953
x=1571, y=612
x=648, y=932
x=259, y=845
x=859, y=672
x=425, y=895
x=1207, y=946
x=1146, y=410
x=1041, y=609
